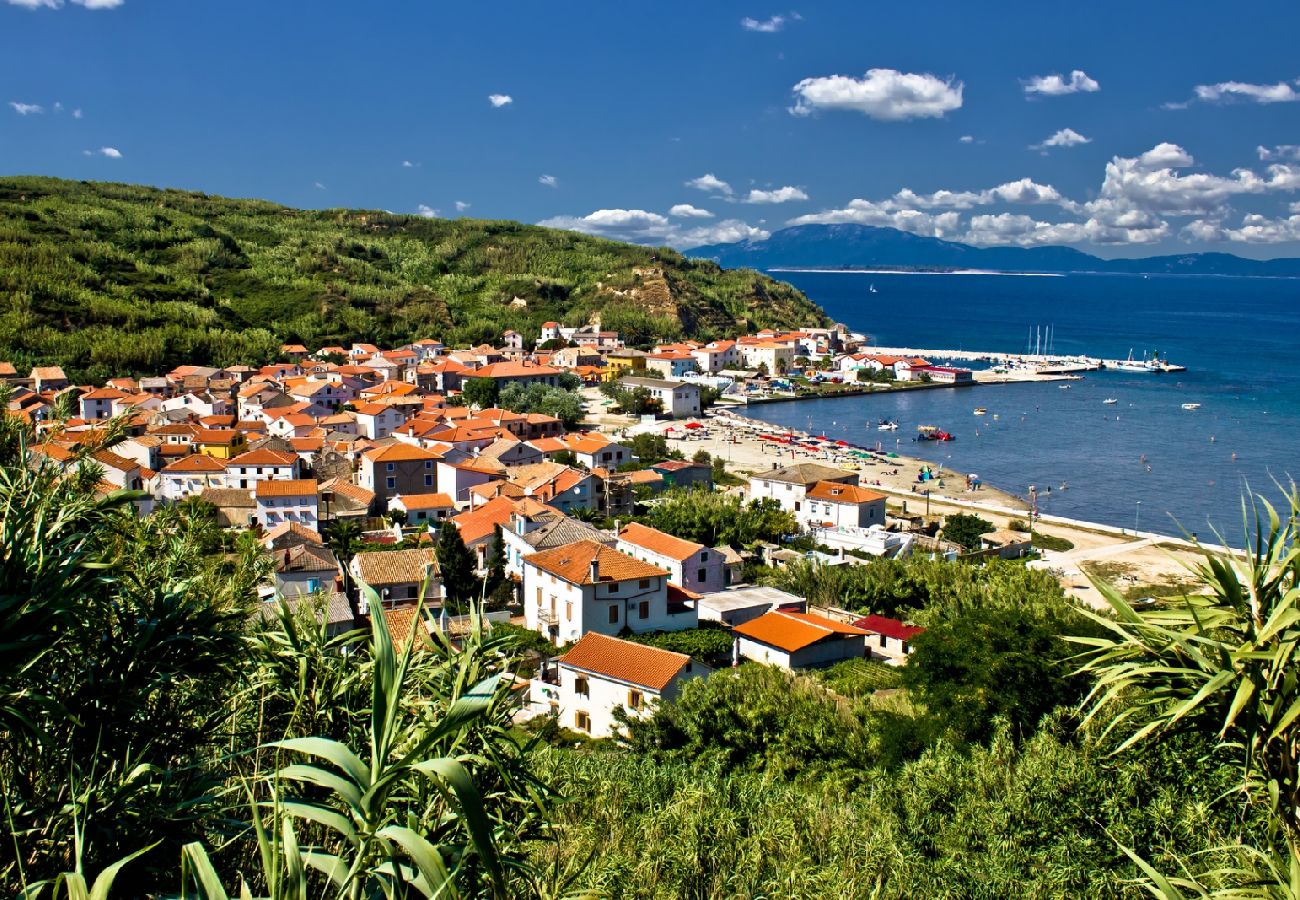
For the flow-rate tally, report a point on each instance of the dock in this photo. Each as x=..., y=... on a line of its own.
x=1043, y=364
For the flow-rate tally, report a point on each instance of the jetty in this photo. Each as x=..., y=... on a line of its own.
x=1042, y=363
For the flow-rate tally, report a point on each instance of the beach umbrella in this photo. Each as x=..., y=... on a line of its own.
x=843, y=444
x=693, y=425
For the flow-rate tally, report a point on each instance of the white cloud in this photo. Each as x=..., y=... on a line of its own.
x=765, y=26
x=548, y=180
x=887, y=215
x=1066, y=137
x=1152, y=183
x=27, y=109
x=966, y=139
x=407, y=164
x=1281, y=151
x=110, y=152
x=1254, y=229
x=884, y=94
x=1057, y=85
x=425, y=211
x=58, y=4
x=500, y=100
x=461, y=206
x=778, y=195
x=687, y=211
x=99, y=4
x=641, y=227
x=1282, y=92
x=710, y=182
x=76, y=114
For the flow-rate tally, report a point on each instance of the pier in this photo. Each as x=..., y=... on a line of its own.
x=1042, y=363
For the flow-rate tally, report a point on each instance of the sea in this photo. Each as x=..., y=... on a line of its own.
x=1143, y=462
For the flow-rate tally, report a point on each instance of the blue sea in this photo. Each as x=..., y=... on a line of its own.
x=1144, y=462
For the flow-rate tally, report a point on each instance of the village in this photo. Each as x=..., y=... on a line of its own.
x=392, y=447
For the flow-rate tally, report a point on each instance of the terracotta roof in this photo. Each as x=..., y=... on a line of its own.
x=402, y=622
x=648, y=667
x=305, y=558
x=888, y=627
x=482, y=522
x=384, y=567
x=48, y=373
x=572, y=563
x=196, y=463
x=659, y=542
x=399, y=452
x=352, y=491
x=837, y=492
x=790, y=631
x=424, y=501
x=263, y=457
x=804, y=473
x=513, y=370
x=297, y=487
x=295, y=528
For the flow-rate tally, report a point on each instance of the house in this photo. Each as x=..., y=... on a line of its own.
x=398, y=469
x=400, y=577
x=773, y=357
x=592, y=450
x=738, y=605
x=555, y=485
x=305, y=569
x=586, y=586
x=190, y=476
x=98, y=404
x=48, y=378
x=833, y=504
x=379, y=420
x=600, y=674
x=525, y=373
x=526, y=534
x=247, y=469
x=791, y=640
x=680, y=473
x=671, y=364
x=1007, y=544
x=675, y=398
x=940, y=375
x=716, y=356
x=789, y=485
x=889, y=638
x=287, y=501
x=422, y=508
x=690, y=565
x=221, y=443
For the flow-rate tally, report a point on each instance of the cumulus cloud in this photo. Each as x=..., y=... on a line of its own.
x=710, y=182
x=1254, y=229
x=769, y=25
x=1281, y=151
x=58, y=4
x=966, y=139
x=407, y=164
x=27, y=109
x=687, y=211
x=1057, y=85
x=777, y=195
x=76, y=114
x=1066, y=137
x=884, y=94
x=639, y=226
x=548, y=180
x=500, y=100
x=425, y=211
x=1282, y=92
x=110, y=152
x=461, y=206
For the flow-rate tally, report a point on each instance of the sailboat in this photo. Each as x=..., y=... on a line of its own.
x=872, y=289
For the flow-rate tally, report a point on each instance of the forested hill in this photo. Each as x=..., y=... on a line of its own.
x=109, y=279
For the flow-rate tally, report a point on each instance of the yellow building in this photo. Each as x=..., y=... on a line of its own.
x=624, y=362
x=220, y=443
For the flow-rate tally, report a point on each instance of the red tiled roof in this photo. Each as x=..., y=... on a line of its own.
x=297, y=487
x=888, y=627
x=659, y=542
x=572, y=562
x=791, y=631
x=648, y=667
x=838, y=492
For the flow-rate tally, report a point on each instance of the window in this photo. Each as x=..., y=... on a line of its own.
x=613, y=587
x=539, y=596
x=704, y=556
x=633, y=699
x=645, y=583
x=412, y=593
x=613, y=615
x=582, y=721
x=568, y=610
x=701, y=574
x=390, y=467
x=392, y=483
x=883, y=641
x=428, y=464
x=643, y=609
x=796, y=503
x=428, y=481
x=581, y=686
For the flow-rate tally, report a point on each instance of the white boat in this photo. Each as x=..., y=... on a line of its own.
x=1065, y=387
x=1109, y=401
x=872, y=289
x=1191, y=406
x=979, y=410
x=884, y=425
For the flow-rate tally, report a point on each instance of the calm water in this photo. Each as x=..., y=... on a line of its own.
x=1144, y=460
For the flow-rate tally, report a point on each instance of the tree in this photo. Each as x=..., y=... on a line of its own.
x=343, y=536
x=710, y=518
x=964, y=529
x=457, y=565
x=480, y=392
x=709, y=396
x=991, y=661
x=649, y=448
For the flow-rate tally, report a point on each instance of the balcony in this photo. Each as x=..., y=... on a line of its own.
x=546, y=617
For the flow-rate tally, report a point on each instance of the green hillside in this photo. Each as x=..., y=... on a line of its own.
x=108, y=279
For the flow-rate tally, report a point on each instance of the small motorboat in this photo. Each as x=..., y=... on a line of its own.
x=1065, y=387
x=1191, y=406
x=979, y=410
x=933, y=433
x=1109, y=401
x=886, y=425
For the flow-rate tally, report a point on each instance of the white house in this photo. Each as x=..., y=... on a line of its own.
x=690, y=565
x=789, y=486
x=423, y=508
x=586, y=586
x=791, y=640
x=833, y=504
x=247, y=469
x=287, y=501
x=676, y=398
x=601, y=674
x=189, y=476
x=379, y=420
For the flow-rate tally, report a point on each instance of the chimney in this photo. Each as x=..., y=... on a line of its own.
x=595, y=568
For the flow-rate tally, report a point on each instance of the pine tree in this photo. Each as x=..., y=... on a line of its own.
x=459, y=578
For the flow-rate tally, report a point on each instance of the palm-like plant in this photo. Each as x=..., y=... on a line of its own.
x=1225, y=662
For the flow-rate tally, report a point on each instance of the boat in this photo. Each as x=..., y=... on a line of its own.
x=872, y=289
x=1065, y=387
x=1109, y=401
x=979, y=410
x=886, y=425
x=933, y=433
x=1191, y=406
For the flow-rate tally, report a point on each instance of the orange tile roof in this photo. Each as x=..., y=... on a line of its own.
x=399, y=453
x=424, y=501
x=837, y=492
x=295, y=487
x=790, y=631
x=196, y=463
x=572, y=563
x=379, y=568
x=263, y=457
x=648, y=667
x=482, y=521
x=659, y=542
x=513, y=370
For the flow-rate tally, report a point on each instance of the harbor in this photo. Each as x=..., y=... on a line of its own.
x=1039, y=363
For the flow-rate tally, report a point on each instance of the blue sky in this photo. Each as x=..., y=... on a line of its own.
x=1123, y=129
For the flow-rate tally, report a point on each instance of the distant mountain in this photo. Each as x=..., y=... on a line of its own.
x=866, y=246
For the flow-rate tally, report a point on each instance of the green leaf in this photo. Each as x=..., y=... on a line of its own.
x=332, y=751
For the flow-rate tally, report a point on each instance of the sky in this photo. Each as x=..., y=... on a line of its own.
x=1122, y=129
